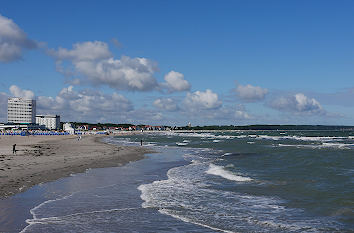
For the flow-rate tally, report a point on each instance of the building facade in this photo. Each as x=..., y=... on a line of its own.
x=20, y=110
x=49, y=121
x=68, y=127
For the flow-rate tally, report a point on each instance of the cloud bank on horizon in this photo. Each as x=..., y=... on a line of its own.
x=97, y=80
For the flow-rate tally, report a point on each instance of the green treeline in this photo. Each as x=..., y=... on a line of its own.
x=224, y=127
x=270, y=127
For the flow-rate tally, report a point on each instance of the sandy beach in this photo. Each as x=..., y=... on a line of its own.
x=45, y=158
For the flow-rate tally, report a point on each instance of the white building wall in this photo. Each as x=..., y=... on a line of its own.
x=50, y=121
x=20, y=110
x=69, y=128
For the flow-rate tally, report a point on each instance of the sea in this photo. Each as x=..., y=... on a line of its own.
x=213, y=181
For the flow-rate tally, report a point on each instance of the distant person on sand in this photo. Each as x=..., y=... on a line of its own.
x=141, y=142
x=14, y=149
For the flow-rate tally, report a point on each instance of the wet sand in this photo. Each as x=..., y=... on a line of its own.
x=41, y=159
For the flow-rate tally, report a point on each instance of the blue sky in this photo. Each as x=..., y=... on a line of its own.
x=165, y=62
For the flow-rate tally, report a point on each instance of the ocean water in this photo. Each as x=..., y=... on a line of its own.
x=242, y=181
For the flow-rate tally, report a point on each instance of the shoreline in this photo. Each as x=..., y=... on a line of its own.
x=43, y=159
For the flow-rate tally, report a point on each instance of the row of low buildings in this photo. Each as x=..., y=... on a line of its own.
x=100, y=127
x=21, y=113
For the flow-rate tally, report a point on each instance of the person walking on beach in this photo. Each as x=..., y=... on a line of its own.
x=141, y=142
x=14, y=149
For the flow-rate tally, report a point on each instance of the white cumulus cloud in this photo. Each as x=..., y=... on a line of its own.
x=251, y=93
x=203, y=100
x=13, y=40
x=85, y=105
x=242, y=115
x=18, y=92
x=175, y=82
x=94, y=63
x=166, y=104
x=85, y=51
x=298, y=103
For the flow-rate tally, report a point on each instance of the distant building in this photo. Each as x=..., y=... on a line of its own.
x=67, y=127
x=83, y=127
x=49, y=121
x=189, y=124
x=20, y=110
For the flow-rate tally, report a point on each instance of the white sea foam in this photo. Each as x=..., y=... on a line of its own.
x=220, y=171
x=33, y=211
x=70, y=218
x=202, y=135
x=302, y=138
x=185, y=219
x=58, y=218
x=324, y=145
x=326, y=139
x=195, y=161
x=226, y=154
x=150, y=144
x=181, y=143
x=338, y=145
x=275, y=138
x=242, y=136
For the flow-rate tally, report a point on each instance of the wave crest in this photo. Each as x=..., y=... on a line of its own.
x=220, y=171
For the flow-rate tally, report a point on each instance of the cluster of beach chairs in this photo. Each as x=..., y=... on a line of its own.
x=27, y=133
x=49, y=133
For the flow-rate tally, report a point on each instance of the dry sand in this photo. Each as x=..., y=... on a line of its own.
x=45, y=158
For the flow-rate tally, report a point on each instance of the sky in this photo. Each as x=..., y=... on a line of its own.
x=174, y=62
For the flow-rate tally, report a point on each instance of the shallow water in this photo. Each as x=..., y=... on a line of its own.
x=288, y=181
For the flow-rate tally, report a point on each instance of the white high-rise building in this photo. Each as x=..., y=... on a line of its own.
x=50, y=121
x=20, y=110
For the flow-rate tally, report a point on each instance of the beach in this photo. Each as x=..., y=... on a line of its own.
x=40, y=159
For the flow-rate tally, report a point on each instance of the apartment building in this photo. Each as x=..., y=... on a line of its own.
x=49, y=121
x=21, y=111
